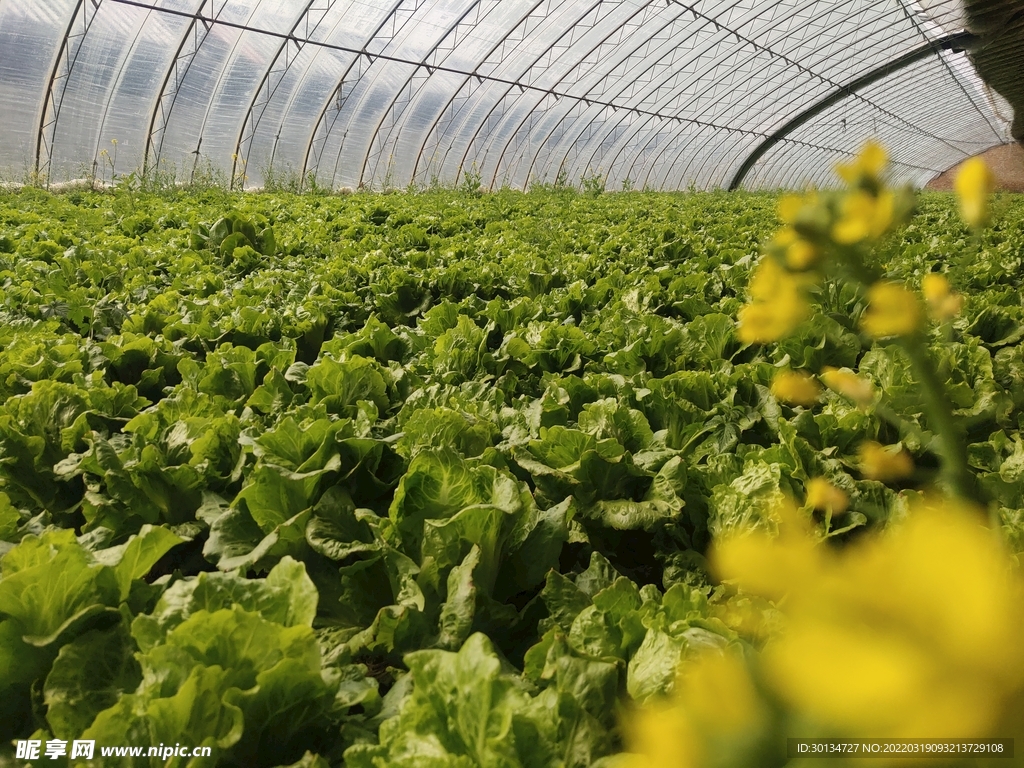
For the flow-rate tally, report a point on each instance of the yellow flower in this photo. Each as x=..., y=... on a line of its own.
x=848, y=384
x=821, y=494
x=868, y=164
x=892, y=311
x=768, y=565
x=973, y=185
x=943, y=302
x=777, y=304
x=864, y=217
x=715, y=707
x=878, y=462
x=661, y=735
x=802, y=255
x=916, y=631
x=796, y=388
x=790, y=207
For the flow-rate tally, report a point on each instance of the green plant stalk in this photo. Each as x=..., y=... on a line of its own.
x=952, y=444
x=952, y=447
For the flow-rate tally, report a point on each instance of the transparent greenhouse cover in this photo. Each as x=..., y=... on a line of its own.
x=666, y=94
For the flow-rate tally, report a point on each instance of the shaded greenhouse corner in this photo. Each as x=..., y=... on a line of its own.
x=999, y=27
x=1006, y=162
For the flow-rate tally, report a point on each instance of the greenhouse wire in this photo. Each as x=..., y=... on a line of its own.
x=452, y=70
x=535, y=125
x=929, y=40
x=839, y=95
x=174, y=77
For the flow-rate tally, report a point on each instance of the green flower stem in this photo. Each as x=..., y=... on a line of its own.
x=952, y=443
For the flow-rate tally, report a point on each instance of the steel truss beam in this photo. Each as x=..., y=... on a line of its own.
x=195, y=35
x=335, y=103
x=407, y=93
x=289, y=50
x=949, y=42
x=70, y=48
x=640, y=147
x=547, y=56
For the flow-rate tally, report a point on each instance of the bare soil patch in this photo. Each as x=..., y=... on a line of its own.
x=1006, y=162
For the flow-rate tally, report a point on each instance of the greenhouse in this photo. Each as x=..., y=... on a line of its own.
x=511, y=384
x=658, y=95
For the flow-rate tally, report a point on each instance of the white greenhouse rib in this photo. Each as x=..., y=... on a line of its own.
x=503, y=81
x=659, y=93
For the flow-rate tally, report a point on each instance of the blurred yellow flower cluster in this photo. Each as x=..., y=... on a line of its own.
x=848, y=384
x=796, y=388
x=892, y=311
x=943, y=302
x=885, y=464
x=821, y=233
x=912, y=634
x=821, y=494
x=777, y=304
x=817, y=227
x=973, y=185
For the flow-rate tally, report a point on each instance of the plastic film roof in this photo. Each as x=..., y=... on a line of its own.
x=663, y=94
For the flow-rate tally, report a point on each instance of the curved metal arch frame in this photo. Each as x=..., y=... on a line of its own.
x=113, y=90
x=508, y=90
x=52, y=102
x=455, y=93
x=154, y=143
x=524, y=20
x=587, y=104
x=365, y=85
x=661, y=83
x=654, y=86
x=210, y=99
x=625, y=85
x=935, y=72
x=872, y=105
x=474, y=8
x=336, y=94
x=580, y=103
x=654, y=162
x=663, y=172
x=626, y=109
x=590, y=129
x=251, y=122
x=915, y=20
x=610, y=136
x=924, y=51
x=533, y=118
x=656, y=165
x=758, y=49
